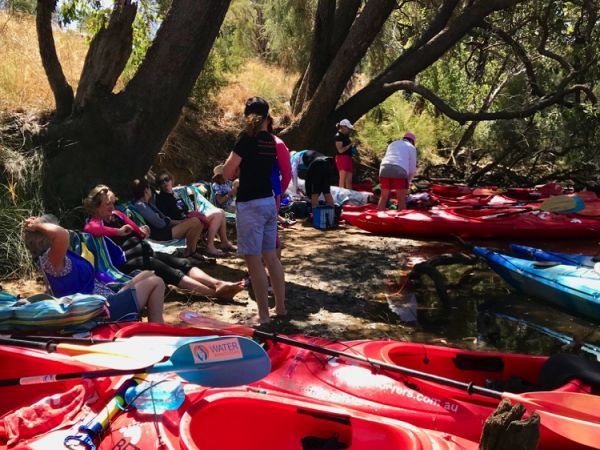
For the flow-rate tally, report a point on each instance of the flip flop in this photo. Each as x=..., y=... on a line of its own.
x=215, y=253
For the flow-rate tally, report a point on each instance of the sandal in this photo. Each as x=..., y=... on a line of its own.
x=217, y=253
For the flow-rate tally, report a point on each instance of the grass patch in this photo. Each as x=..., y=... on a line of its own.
x=23, y=82
x=257, y=79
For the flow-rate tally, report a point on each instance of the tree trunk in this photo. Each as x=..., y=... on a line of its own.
x=116, y=137
x=63, y=92
x=316, y=120
x=107, y=55
x=505, y=430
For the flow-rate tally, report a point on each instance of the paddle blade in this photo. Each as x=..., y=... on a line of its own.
x=118, y=362
x=199, y=321
x=113, y=355
x=218, y=362
x=583, y=432
x=575, y=405
x=563, y=204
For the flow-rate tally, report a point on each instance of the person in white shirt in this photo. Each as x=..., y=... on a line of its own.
x=398, y=167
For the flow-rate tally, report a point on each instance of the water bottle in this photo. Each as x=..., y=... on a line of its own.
x=155, y=397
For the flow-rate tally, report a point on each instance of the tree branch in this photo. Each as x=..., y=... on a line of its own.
x=107, y=55
x=518, y=49
x=62, y=90
x=415, y=60
x=169, y=71
x=463, y=117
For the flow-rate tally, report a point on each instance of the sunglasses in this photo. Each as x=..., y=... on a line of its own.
x=164, y=180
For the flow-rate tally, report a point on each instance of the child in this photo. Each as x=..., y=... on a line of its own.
x=224, y=192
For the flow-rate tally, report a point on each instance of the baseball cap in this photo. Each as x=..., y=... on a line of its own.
x=346, y=123
x=258, y=106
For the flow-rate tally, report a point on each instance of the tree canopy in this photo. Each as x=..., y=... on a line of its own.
x=528, y=68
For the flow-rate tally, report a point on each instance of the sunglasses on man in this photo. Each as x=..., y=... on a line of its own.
x=164, y=180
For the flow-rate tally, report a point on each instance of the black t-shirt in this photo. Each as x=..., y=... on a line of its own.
x=258, y=159
x=171, y=206
x=345, y=140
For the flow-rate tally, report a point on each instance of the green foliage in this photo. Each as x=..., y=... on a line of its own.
x=19, y=198
x=392, y=119
x=287, y=28
x=18, y=6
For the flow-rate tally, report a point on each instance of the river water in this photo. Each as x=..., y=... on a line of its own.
x=481, y=312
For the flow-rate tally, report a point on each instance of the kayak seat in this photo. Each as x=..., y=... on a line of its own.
x=559, y=369
x=478, y=362
x=317, y=443
x=514, y=384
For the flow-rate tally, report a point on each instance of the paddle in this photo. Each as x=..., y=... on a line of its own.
x=113, y=355
x=586, y=347
x=567, y=407
x=213, y=361
x=558, y=204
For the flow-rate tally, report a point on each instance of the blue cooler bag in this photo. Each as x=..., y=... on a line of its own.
x=324, y=217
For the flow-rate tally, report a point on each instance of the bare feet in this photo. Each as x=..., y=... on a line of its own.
x=226, y=290
x=229, y=247
x=214, y=251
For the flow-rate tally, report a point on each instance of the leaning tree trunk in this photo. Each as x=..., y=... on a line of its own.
x=114, y=138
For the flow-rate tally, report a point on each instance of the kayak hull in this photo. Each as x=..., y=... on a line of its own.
x=537, y=254
x=275, y=421
x=470, y=223
x=571, y=288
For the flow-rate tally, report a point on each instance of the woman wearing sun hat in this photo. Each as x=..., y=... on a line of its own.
x=224, y=191
x=397, y=169
x=344, y=152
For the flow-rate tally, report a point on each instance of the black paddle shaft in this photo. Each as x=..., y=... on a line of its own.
x=469, y=387
x=46, y=346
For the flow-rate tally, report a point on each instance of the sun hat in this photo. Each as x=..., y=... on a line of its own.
x=218, y=170
x=346, y=123
x=410, y=136
x=258, y=106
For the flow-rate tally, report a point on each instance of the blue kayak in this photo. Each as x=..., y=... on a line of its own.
x=539, y=254
x=572, y=288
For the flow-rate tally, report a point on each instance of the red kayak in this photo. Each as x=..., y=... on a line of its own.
x=223, y=419
x=244, y=418
x=470, y=223
x=426, y=404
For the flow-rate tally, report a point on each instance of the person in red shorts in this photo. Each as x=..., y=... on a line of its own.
x=345, y=149
x=398, y=167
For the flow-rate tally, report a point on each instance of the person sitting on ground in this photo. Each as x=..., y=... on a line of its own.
x=163, y=228
x=398, y=168
x=172, y=210
x=106, y=221
x=224, y=191
x=68, y=273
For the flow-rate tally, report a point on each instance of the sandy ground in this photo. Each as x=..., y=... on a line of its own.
x=337, y=284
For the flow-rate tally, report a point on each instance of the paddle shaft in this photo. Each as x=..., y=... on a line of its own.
x=48, y=346
x=469, y=387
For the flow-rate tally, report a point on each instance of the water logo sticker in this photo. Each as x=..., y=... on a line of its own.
x=221, y=350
